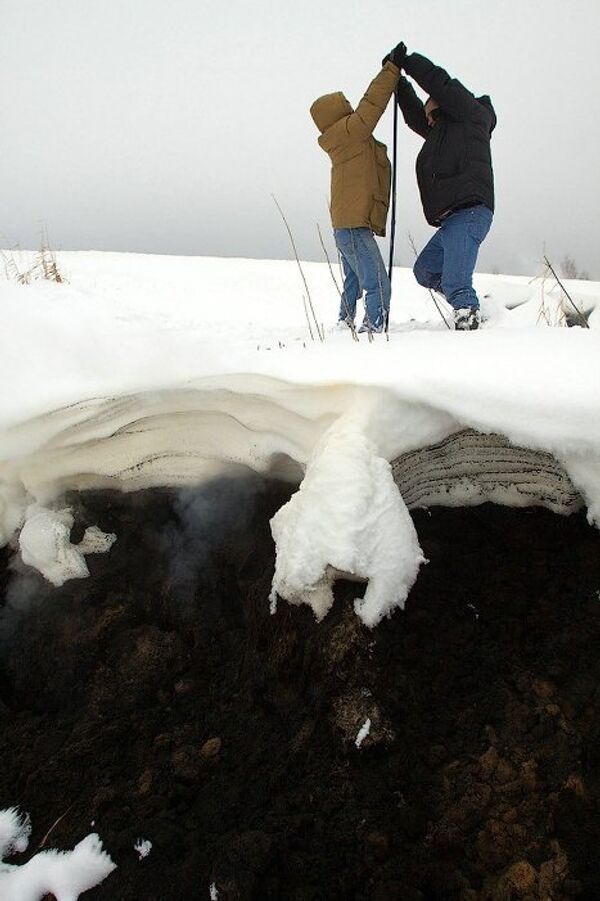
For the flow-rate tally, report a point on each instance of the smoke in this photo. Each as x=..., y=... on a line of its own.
x=209, y=539
x=179, y=553
x=25, y=591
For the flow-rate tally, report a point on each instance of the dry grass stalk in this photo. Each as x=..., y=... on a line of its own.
x=320, y=333
x=582, y=319
x=13, y=271
x=46, y=260
x=53, y=827
x=310, y=331
x=45, y=266
x=411, y=241
x=550, y=311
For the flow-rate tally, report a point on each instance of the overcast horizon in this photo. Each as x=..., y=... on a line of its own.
x=157, y=127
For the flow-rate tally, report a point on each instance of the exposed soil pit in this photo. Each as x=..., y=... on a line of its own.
x=159, y=699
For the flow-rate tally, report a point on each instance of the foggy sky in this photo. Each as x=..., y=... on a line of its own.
x=164, y=127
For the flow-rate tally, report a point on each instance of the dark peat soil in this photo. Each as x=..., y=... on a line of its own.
x=160, y=699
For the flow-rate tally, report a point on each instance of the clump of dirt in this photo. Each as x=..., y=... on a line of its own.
x=160, y=699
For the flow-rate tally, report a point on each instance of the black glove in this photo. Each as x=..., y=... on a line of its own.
x=397, y=56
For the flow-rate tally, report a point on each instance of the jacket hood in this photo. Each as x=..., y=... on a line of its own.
x=329, y=109
x=485, y=101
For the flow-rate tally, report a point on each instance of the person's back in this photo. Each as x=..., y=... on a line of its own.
x=360, y=193
x=360, y=173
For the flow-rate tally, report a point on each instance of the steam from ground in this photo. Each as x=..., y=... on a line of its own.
x=208, y=520
x=186, y=548
x=211, y=528
x=25, y=591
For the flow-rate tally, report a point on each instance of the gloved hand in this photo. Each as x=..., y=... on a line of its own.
x=397, y=55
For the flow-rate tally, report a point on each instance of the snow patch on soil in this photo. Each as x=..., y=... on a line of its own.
x=66, y=875
x=45, y=544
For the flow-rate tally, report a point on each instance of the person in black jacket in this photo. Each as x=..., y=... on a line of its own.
x=456, y=180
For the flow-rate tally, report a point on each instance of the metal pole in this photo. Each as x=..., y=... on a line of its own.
x=393, y=209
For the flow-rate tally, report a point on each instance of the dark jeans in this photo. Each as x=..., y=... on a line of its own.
x=447, y=261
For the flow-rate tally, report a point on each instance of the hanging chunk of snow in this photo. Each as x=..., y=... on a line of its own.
x=143, y=847
x=95, y=541
x=363, y=732
x=45, y=544
x=214, y=894
x=65, y=875
x=346, y=518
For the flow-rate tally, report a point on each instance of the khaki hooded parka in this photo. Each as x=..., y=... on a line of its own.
x=361, y=171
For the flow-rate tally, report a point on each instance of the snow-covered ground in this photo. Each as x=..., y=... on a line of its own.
x=145, y=370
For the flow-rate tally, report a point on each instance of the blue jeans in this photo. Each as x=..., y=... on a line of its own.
x=364, y=270
x=447, y=261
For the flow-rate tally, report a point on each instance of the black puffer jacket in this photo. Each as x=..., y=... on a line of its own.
x=454, y=166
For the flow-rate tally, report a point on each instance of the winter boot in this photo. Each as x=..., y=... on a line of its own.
x=466, y=319
x=342, y=325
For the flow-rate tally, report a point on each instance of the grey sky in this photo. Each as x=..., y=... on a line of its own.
x=164, y=126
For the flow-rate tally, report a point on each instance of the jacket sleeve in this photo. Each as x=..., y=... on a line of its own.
x=371, y=108
x=451, y=95
x=411, y=107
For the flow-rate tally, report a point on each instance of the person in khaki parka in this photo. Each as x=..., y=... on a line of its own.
x=360, y=191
